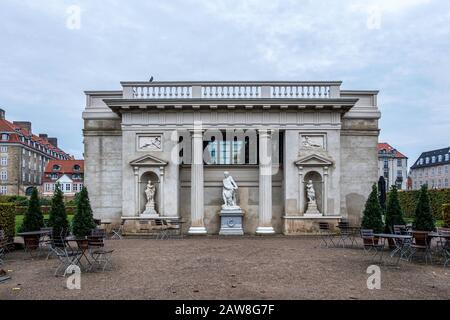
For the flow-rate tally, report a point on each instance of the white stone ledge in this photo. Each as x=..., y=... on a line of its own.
x=310, y=218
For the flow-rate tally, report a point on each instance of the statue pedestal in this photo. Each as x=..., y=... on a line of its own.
x=312, y=211
x=231, y=222
x=149, y=212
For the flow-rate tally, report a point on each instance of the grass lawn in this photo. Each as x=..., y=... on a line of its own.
x=19, y=220
x=439, y=223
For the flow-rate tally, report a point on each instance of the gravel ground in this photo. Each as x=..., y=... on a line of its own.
x=227, y=268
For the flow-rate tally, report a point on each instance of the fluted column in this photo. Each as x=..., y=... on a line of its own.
x=197, y=207
x=265, y=183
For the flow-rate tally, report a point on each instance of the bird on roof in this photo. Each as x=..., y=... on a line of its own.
x=151, y=79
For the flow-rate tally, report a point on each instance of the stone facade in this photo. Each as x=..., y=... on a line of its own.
x=286, y=133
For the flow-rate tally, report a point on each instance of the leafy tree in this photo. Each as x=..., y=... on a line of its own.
x=394, y=213
x=58, y=216
x=83, y=220
x=423, y=218
x=372, y=212
x=33, y=219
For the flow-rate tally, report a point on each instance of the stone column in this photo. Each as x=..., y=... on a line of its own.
x=161, y=192
x=265, y=183
x=325, y=192
x=136, y=191
x=197, y=207
x=301, y=191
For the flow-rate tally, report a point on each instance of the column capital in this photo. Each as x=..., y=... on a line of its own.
x=265, y=132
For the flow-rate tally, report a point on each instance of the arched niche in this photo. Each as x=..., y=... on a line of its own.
x=317, y=182
x=144, y=179
x=148, y=168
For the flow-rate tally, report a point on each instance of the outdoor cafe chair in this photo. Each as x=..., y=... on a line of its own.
x=171, y=226
x=97, y=251
x=402, y=245
x=326, y=235
x=118, y=233
x=2, y=254
x=446, y=251
x=99, y=233
x=370, y=242
x=5, y=242
x=66, y=255
x=346, y=233
x=440, y=242
x=163, y=229
x=420, y=244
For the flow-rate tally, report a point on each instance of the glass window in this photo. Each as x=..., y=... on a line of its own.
x=433, y=159
x=4, y=175
x=440, y=158
x=75, y=187
x=3, y=190
x=447, y=157
x=399, y=162
x=5, y=136
x=446, y=182
x=399, y=173
x=4, y=161
x=3, y=149
x=427, y=160
x=67, y=186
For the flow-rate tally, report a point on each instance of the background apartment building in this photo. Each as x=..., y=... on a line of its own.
x=393, y=166
x=23, y=156
x=432, y=169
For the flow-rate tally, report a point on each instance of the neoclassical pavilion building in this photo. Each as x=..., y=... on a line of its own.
x=276, y=139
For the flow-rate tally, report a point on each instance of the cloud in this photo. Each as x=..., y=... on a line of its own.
x=399, y=47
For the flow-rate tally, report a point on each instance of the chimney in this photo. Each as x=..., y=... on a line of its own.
x=43, y=136
x=2, y=114
x=53, y=141
x=24, y=125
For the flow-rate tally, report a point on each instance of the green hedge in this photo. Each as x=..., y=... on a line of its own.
x=45, y=210
x=408, y=201
x=8, y=219
x=446, y=215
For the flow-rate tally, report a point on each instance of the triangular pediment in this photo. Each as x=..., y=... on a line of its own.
x=148, y=161
x=314, y=160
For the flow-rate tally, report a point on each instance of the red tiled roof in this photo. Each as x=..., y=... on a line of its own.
x=66, y=166
x=389, y=148
x=16, y=132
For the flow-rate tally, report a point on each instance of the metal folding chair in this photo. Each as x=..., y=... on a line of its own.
x=370, y=243
x=5, y=242
x=117, y=233
x=162, y=227
x=326, y=235
x=446, y=251
x=346, y=233
x=66, y=255
x=100, y=255
x=420, y=244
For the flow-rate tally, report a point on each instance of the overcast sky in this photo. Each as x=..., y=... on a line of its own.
x=400, y=47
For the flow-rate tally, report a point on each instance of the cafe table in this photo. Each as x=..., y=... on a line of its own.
x=31, y=239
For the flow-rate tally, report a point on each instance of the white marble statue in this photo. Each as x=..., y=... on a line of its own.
x=150, y=191
x=311, y=192
x=229, y=192
x=307, y=143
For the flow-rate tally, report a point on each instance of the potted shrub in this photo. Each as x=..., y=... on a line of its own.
x=83, y=221
x=58, y=216
x=372, y=215
x=394, y=214
x=423, y=218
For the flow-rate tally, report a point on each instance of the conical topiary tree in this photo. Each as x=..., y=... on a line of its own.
x=423, y=218
x=58, y=216
x=394, y=213
x=372, y=212
x=83, y=220
x=33, y=219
